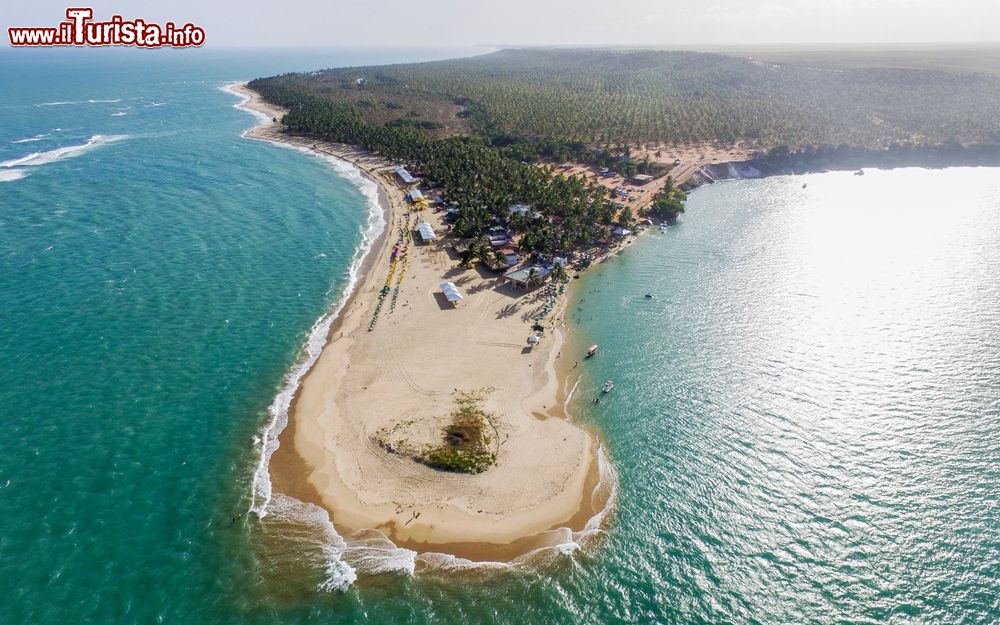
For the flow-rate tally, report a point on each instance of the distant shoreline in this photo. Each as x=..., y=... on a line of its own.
x=813, y=160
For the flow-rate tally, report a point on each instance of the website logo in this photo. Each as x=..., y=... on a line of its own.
x=79, y=29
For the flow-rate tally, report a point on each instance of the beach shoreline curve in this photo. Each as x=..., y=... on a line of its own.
x=311, y=462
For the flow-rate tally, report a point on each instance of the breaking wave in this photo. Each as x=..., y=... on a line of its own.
x=36, y=159
x=261, y=118
x=31, y=139
x=278, y=410
x=11, y=175
x=69, y=102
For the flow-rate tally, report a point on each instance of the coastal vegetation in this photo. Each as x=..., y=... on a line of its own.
x=491, y=131
x=668, y=203
x=565, y=102
x=468, y=441
x=482, y=180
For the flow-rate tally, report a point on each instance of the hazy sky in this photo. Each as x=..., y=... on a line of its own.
x=541, y=22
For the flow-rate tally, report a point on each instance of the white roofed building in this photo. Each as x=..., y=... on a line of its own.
x=404, y=176
x=451, y=293
x=426, y=232
x=528, y=277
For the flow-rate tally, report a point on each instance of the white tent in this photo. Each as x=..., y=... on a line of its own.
x=451, y=292
x=426, y=232
x=405, y=176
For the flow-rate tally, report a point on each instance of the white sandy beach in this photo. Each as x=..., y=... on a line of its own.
x=399, y=382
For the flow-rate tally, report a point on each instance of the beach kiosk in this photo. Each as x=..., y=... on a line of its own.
x=528, y=277
x=451, y=293
x=404, y=176
x=426, y=232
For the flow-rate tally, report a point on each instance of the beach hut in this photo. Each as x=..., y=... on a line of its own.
x=451, y=293
x=498, y=241
x=622, y=232
x=522, y=278
x=641, y=178
x=426, y=232
x=519, y=209
x=404, y=176
x=415, y=195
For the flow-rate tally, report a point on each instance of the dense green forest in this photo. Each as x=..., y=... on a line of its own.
x=480, y=179
x=608, y=97
x=478, y=127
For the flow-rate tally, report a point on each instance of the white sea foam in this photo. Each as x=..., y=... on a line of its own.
x=339, y=574
x=445, y=562
x=368, y=556
x=69, y=102
x=569, y=396
x=36, y=159
x=373, y=553
x=278, y=410
x=31, y=139
x=10, y=175
x=261, y=118
x=119, y=113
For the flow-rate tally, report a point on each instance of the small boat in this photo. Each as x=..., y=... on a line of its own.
x=804, y=185
x=860, y=172
x=607, y=386
x=591, y=351
x=649, y=296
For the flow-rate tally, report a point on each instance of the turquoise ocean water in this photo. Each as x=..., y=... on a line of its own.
x=805, y=420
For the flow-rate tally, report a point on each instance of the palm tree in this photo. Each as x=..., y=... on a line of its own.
x=559, y=274
x=468, y=257
x=534, y=279
x=500, y=261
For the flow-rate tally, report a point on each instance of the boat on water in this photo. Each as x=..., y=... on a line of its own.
x=591, y=351
x=607, y=386
x=860, y=172
x=649, y=296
